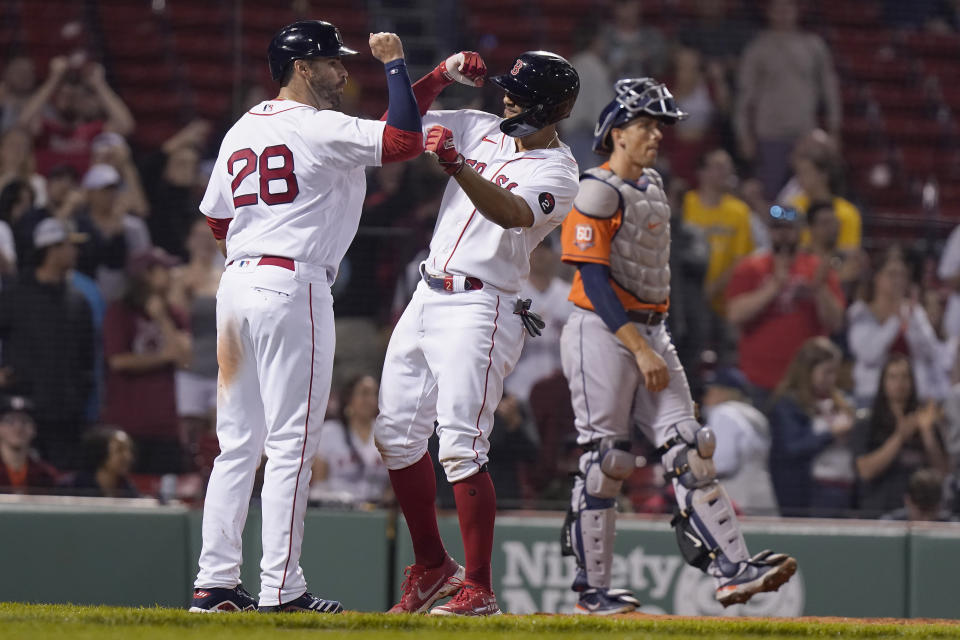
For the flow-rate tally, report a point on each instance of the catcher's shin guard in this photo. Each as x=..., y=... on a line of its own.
x=707, y=529
x=589, y=528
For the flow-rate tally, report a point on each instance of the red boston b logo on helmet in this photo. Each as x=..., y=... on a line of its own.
x=516, y=68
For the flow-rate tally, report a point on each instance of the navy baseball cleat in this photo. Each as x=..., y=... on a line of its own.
x=306, y=602
x=766, y=571
x=605, y=602
x=221, y=599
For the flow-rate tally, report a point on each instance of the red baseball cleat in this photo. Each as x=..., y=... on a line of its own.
x=471, y=600
x=425, y=586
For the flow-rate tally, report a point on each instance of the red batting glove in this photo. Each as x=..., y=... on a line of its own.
x=439, y=143
x=466, y=67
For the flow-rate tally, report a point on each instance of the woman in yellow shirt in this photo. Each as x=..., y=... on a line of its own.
x=814, y=174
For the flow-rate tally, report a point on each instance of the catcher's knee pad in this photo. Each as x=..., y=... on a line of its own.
x=707, y=528
x=606, y=466
x=687, y=455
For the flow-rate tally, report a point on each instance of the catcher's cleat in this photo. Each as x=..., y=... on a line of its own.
x=605, y=602
x=425, y=586
x=306, y=602
x=470, y=600
x=221, y=599
x=766, y=571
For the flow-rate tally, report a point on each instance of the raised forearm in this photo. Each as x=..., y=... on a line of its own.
x=872, y=464
x=747, y=306
x=829, y=309
x=495, y=203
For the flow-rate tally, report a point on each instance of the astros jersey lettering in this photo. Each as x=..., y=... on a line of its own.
x=464, y=242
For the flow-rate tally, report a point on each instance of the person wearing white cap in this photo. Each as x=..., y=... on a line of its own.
x=116, y=227
x=48, y=340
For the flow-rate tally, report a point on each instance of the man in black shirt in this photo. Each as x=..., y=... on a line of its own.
x=47, y=335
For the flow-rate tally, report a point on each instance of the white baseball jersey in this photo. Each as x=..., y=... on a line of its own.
x=466, y=243
x=292, y=178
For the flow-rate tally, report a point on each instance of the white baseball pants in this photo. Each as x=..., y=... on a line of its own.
x=275, y=343
x=446, y=362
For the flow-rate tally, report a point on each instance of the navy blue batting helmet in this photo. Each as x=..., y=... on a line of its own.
x=544, y=85
x=304, y=39
x=636, y=97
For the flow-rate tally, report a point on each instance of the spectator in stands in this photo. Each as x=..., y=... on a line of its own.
x=16, y=87
x=818, y=176
x=899, y=437
x=689, y=257
x=16, y=201
x=633, y=50
x=595, y=81
x=724, y=219
x=751, y=191
x=348, y=468
x=108, y=457
x=541, y=356
x=64, y=198
x=21, y=469
x=949, y=272
x=59, y=115
x=888, y=320
x=513, y=440
x=778, y=299
x=47, y=333
x=116, y=234
x=552, y=413
x=786, y=75
x=923, y=501
x=17, y=163
x=194, y=290
x=171, y=179
x=702, y=90
x=811, y=459
x=112, y=149
x=144, y=343
x=823, y=230
x=743, y=442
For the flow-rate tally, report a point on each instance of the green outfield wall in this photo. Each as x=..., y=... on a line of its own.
x=146, y=555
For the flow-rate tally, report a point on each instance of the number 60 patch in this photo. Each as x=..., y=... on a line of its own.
x=583, y=238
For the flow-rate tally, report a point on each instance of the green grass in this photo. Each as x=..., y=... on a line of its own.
x=106, y=623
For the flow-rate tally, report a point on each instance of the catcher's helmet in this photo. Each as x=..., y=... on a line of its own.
x=635, y=97
x=544, y=85
x=304, y=39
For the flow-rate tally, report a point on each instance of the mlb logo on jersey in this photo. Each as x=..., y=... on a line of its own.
x=584, y=237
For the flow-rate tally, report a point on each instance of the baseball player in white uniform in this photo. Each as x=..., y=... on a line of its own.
x=623, y=369
x=284, y=203
x=458, y=337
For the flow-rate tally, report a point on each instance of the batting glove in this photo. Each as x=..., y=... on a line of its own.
x=439, y=144
x=532, y=322
x=466, y=67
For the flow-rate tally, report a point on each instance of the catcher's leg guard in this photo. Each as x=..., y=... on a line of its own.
x=590, y=524
x=706, y=526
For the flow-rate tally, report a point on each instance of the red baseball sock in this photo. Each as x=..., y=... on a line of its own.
x=477, y=510
x=416, y=491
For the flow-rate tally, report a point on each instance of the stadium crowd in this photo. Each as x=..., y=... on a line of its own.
x=826, y=363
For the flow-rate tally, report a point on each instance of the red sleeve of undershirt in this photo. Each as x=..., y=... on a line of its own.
x=399, y=145
x=219, y=226
x=426, y=90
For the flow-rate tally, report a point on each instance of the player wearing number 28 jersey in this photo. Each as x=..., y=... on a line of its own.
x=284, y=202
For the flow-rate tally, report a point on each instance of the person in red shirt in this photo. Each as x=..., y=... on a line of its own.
x=81, y=106
x=779, y=298
x=21, y=471
x=144, y=342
